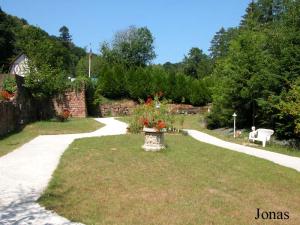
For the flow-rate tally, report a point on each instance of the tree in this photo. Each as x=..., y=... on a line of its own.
x=199, y=93
x=7, y=39
x=289, y=112
x=197, y=64
x=263, y=12
x=49, y=62
x=220, y=43
x=75, y=53
x=159, y=82
x=257, y=75
x=247, y=79
x=132, y=47
x=112, y=82
x=139, y=83
x=172, y=67
x=82, y=67
x=64, y=34
x=46, y=81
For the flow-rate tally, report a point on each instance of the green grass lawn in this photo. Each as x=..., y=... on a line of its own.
x=196, y=122
x=73, y=125
x=111, y=180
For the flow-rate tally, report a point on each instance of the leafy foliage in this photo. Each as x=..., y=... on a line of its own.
x=138, y=83
x=197, y=64
x=257, y=69
x=8, y=26
x=64, y=34
x=52, y=59
x=221, y=42
x=10, y=85
x=45, y=81
x=289, y=110
x=132, y=47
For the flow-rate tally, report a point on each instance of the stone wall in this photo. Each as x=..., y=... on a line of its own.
x=126, y=107
x=9, y=119
x=74, y=101
x=117, y=108
x=188, y=109
x=21, y=110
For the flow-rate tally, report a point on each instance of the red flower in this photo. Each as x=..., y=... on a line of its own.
x=149, y=101
x=6, y=95
x=146, y=122
x=66, y=113
x=160, y=125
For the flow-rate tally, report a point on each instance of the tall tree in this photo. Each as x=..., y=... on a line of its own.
x=259, y=76
x=247, y=78
x=197, y=64
x=221, y=42
x=7, y=39
x=133, y=47
x=64, y=34
x=263, y=12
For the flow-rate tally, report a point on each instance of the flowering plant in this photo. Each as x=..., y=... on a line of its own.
x=6, y=95
x=9, y=89
x=64, y=115
x=152, y=113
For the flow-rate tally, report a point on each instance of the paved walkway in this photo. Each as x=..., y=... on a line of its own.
x=26, y=172
x=281, y=159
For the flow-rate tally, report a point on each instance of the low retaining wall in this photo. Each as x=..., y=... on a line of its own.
x=188, y=109
x=74, y=101
x=24, y=109
x=118, y=108
x=121, y=108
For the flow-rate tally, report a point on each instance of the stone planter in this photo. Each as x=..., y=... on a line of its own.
x=154, y=140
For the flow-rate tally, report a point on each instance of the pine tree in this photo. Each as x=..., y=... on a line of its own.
x=64, y=34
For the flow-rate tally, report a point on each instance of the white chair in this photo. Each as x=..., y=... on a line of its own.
x=262, y=135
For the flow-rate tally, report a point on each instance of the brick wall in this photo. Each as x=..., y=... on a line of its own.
x=117, y=108
x=74, y=101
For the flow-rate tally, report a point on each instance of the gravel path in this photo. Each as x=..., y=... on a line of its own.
x=281, y=159
x=26, y=172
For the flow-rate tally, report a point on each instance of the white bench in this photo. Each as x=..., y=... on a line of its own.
x=262, y=135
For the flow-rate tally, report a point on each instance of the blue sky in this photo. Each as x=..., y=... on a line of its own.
x=176, y=25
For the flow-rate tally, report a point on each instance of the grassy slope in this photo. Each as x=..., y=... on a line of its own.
x=15, y=140
x=196, y=122
x=111, y=180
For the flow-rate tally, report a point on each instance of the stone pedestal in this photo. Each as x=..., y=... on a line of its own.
x=154, y=140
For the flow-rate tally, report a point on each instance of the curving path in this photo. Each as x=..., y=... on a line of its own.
x=26, y=172
x=281, y=159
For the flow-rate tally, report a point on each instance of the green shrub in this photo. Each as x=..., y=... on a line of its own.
x=10, y=85
x=117, y=81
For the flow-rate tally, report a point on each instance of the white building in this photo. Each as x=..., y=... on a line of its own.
x=19, y=65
